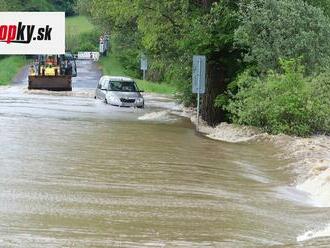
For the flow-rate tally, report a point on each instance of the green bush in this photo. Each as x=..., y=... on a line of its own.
x=126, y=53
x=178, y=74
x=286, y=102
x=81, y=35
x=321, y=100
x=88, y=41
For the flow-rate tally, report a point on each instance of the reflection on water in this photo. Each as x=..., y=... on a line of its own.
x=77, y=173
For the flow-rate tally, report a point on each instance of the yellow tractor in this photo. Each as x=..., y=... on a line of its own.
x=52, y=72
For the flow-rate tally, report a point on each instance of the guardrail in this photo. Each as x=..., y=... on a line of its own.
x=95, y=56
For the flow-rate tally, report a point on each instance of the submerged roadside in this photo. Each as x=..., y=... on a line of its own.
x=311, y=155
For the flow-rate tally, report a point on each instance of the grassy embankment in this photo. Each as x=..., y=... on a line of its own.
x=9, y=67
x=83, y=36
x=112, y=66
x=80, y=34
x=80, y=24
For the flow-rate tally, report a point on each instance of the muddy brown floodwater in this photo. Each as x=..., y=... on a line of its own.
x=77, y=173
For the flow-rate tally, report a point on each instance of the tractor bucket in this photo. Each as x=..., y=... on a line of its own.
x=54, y=83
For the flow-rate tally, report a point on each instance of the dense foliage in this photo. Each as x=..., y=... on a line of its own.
x=272, y=29
x=324, y=5
x=274, y=93
x=39, y=5
x=286, y=102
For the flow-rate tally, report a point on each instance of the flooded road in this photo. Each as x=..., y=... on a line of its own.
x=77, y=173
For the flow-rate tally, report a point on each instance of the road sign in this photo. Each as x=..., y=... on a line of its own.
x=199, y=68
x=144, y=63
x=104, y=44
x=101, y=47
x=198, y=82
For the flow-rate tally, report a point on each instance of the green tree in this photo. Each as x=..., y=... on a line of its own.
x=323, y=4
x=39, y=5
x=212, y=34
x=83, y=7
x=64, y=5
x=274, y=29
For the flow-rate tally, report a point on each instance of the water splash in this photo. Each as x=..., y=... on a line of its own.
x=163, y=116
x=318, y=187
x=314, y=234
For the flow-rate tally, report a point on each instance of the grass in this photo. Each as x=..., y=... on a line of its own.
x=10, y=66
x=162, y=88
x=78, y=25
x=112, y=66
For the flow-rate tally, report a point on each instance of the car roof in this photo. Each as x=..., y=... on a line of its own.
x=118, y=78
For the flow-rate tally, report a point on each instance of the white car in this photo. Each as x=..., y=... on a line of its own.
x=119, y=91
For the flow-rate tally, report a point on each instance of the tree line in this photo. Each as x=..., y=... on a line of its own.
x=68, y=6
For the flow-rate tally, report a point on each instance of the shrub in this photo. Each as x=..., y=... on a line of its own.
x=88, y=41
x=321, y=99
x=286, y=102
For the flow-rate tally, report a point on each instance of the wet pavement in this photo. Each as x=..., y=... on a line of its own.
x=75, y=172
x=88, y=75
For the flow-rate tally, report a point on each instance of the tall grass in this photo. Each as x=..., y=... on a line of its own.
x=9, y=67
x=80, y=34
x=78, y=25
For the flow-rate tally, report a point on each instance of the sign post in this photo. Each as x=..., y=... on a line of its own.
x=144, y=65
x=104, y=44
x=198, y=84
x=101, y=47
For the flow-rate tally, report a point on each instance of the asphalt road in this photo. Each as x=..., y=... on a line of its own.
x=88, y=74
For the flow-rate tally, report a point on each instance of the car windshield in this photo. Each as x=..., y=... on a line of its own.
x=122, y=86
